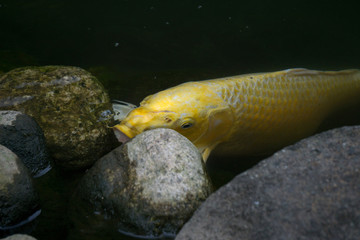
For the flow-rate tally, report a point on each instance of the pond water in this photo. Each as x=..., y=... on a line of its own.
x=136, y=48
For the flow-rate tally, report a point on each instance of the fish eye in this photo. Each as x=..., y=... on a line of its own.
x=186, y=125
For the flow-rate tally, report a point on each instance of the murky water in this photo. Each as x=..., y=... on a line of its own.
x=137, y=48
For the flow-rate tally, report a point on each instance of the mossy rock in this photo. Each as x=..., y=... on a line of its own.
x=67, y=103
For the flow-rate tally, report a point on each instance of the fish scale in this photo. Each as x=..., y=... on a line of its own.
x=247, y=114
x=270, y=105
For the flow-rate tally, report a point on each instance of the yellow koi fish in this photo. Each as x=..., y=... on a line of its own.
x=246, y=114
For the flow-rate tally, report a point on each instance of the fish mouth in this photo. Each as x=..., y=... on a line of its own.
x=124, y=133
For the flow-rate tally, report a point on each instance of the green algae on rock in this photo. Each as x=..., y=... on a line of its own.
x=67, y=103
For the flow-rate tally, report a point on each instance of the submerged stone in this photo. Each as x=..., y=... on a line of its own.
x=150, y=186
x=18, y=199
x=67, y=103
x=21, y=134
x=310, y=190
x=20, y=237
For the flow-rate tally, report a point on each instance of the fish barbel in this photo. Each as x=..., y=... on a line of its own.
x=247, y=114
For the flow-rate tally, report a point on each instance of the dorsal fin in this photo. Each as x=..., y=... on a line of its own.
x=307, y=72
x=301, y=72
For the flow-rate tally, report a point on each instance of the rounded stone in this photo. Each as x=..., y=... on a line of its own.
x=150, y=185
x=21, y=134
x=19, y=237
x=18, y=199
x=310, y=190
x=67, y=103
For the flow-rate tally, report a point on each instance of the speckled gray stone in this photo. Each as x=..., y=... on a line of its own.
x=19, y=237
x=21, y=134
x=18, y=199
x=310, y=190
x=151, y=185
x=67, y=103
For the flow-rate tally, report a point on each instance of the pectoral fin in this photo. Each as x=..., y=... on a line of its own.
x=206, y=152
x=220, y=121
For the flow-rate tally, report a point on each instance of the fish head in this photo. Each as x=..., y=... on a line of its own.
x=192, y=109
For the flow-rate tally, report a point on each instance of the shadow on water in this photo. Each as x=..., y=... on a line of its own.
x=223, y=169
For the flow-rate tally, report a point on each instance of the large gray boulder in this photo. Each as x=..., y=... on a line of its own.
x=149, y=186
x=21, y=134
x=18, y=199
x=67, y=103
x=310, y=190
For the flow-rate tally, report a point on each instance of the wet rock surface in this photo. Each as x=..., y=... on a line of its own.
x=67, y=103
x=21, y=134
x=150, y=186
x=19, y=237
x=18, y=199
x=310, y=190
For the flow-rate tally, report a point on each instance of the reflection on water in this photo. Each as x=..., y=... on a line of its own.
x=26, y=226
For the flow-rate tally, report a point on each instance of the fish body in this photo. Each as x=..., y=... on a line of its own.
x=247, y=114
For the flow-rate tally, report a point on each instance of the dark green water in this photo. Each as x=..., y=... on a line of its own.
x=139, y=47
